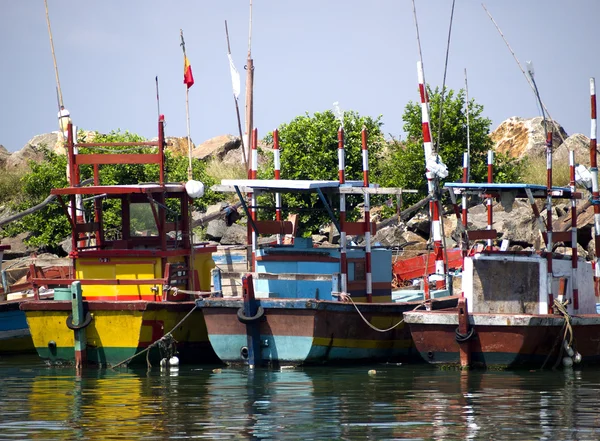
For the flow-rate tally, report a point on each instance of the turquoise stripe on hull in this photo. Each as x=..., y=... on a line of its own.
x=297, y=350
x=282, y=349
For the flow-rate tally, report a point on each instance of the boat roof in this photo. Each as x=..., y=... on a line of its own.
x=281, y=185
x=121, y=189
x=520, y=189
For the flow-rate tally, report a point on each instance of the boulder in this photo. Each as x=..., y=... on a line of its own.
x=216, y=229
x=4, y=155
x=33, y=151
x=519, y=137
x=236, y=234
x=216, y=147
x=580, y=144
x=178, y=145
x=518, y=225
x=18, y=248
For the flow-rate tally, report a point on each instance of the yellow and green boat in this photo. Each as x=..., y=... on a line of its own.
x=136, y=287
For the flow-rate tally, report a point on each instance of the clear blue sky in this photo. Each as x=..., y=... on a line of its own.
x=307, y=55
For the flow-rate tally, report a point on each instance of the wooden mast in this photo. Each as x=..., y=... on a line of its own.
x=249, y=95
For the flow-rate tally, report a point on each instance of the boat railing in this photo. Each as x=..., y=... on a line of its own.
x=76, y=159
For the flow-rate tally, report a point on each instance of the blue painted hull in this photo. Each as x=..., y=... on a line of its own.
x=15, y=337
x=307, y=331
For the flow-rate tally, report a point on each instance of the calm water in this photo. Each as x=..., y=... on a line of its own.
x=398, y=402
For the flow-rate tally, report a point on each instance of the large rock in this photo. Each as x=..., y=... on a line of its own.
x=18, y=248
x=216, y=147
x=179, y=146
x=518, y=225
x=236, y=234
x=4, y=155
x=33, y=151
x=519, y=137
x=580, y=144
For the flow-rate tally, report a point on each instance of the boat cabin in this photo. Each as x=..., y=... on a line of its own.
x=148, y=254
x=498, y=280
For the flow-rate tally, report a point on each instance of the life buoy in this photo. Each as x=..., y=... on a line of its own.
x=85, y=324
x=242, y=317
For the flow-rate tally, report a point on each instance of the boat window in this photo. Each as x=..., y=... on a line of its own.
x=142, y=223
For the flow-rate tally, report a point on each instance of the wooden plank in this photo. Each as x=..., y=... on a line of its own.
x=482, y=234
x=375, y=190
x=274, y=227
x=358, y=228
x=110, y=158
x=282, y=276
x=558, y=236
x=89, y=227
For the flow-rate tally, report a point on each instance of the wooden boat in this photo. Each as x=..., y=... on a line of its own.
x=14, y=333
x=17, y=287
x=303, y=304
x=133, y=287
x=529, y=309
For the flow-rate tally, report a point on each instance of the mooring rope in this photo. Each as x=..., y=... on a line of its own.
x=163, y=338
x=347, y=297
x=567, y=329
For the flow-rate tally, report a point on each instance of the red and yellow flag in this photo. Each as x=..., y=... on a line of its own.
x=188, y=78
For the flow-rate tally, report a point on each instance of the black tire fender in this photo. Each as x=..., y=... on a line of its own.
x=260, y=312
x=85, y=324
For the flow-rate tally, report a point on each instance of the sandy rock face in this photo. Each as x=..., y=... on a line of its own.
x=577, y=142
x=216, y=147
x=519, y=137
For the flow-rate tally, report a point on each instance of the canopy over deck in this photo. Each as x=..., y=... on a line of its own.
x=520, y=190
x=296, y=186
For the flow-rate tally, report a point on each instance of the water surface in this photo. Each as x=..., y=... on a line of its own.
x=415, y=402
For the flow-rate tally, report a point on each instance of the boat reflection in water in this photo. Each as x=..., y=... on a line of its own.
x=396, y=402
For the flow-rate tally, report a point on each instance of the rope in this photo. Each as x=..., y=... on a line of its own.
x=165, y=337
x=567, y=329
x=347, y=297
x=439, y=135
x=195, y=293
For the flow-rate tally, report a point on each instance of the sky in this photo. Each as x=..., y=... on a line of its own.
x=307, y=55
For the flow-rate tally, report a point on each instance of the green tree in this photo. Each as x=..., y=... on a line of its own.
x=309, y=150
x=49, y=226
x=406, y=165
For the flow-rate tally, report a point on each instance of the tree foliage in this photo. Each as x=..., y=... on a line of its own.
x=309, y=150
x=49, y=226
x=406, y=165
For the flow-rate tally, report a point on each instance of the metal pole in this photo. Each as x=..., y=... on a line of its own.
x=342, y=180
x=367, y=213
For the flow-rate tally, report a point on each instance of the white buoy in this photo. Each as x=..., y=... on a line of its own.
x=568, y=349
x=567, y=362
x=372, y=372
x=173, y=361
x=194, y=189
x=577, y=358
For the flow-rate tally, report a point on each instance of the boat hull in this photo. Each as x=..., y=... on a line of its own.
x=118, y=331
x=308, y=331
x=15, y=337
x=503, y=340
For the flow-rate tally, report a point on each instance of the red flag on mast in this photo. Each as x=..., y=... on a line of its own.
x=188, y=78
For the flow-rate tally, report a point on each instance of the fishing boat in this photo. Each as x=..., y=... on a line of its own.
x=302, y=304
x=532, y=308
x=14, y=333
x=16, y=288
x=134, y=286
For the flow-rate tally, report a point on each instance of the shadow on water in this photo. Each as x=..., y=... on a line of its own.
x=360, y=402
